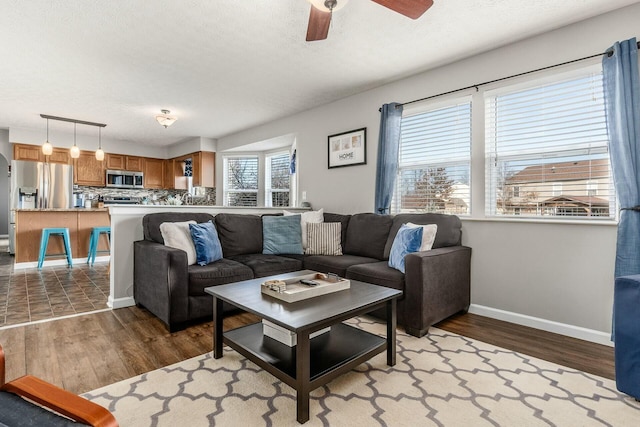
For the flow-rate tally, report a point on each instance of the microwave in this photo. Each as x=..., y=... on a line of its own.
x=124, y=179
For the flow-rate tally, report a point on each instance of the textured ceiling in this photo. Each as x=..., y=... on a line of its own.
x=226, y=65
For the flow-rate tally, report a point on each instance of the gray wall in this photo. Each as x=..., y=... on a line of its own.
x=554, y=276
x=5, y=160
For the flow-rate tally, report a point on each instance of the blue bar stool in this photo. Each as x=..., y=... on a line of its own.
x=44, y=242
x=93, y=243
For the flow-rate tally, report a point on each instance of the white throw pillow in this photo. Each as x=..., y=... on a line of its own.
x=305, y=217
x=177, y=235
x=428, y=235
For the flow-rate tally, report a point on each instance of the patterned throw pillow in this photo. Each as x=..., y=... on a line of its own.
x=305, y=218
x=176, y=235
x=281, y=235
x=206, y=241
x=428, y=235
x=323, y=238
x=408, y=240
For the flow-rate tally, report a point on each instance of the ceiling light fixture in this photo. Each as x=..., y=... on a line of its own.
x=166, y=119
x=99, y=152
x=74, y=151
x=47, y=148
x=328, y=5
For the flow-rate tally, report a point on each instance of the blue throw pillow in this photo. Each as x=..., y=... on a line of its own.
x=407, y=240
x=281, y=235
x=206, y=241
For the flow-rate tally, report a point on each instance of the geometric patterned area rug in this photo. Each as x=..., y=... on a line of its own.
x=442, y=379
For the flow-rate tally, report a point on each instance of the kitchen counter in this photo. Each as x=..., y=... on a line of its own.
x=79, y=221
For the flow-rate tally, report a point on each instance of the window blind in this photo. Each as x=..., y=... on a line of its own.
x=241, y=181
x=434, y=161
x=547, y=150
x=278, y=191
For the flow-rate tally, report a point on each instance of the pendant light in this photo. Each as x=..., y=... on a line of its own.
x=47, y=148
x=99, y=152
x=74, y=151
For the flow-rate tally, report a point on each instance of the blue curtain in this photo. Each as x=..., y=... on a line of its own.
x=622, y=106
x=387, y=163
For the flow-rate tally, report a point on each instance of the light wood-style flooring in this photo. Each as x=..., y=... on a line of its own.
x=89, y=351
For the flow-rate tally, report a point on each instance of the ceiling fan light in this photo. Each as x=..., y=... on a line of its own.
x=47, y=148
x=322, y=6
x=166, y=119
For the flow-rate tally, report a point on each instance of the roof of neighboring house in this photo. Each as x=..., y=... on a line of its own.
x=577, y=200
x=563, y=171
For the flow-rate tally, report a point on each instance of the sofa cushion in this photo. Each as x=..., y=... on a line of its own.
x=219, y=272
x=449, y=228
x=281, y=235
x=334, y=264
x=305, y=218
x=344, y=224
x=429, y=232
x=367, y=235
x=151, y=222
x=407, y=240
x=177, y=235
x=206, y=242
x=324, y=238
x=378, y=273
x=267, y=265
x=239, y=234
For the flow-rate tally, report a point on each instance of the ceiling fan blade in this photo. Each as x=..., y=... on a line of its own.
x=410, y=8
x=318, y=25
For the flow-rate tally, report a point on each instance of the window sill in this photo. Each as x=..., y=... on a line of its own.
x=607, y=222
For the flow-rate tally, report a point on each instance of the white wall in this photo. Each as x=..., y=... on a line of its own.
x=556, y=276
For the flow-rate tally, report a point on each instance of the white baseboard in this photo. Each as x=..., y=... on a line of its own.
x=120, y=302
x=578, y=332
x=61, y=261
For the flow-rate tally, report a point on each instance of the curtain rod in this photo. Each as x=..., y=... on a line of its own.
x=608, y=53
x=64, y=119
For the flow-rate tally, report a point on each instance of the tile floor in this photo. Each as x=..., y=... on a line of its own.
x=28, y=295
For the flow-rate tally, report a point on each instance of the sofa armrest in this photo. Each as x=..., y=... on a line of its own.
x=437, y=285
x=161, y=281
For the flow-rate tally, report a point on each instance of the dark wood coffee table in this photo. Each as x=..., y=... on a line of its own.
x=312, y=362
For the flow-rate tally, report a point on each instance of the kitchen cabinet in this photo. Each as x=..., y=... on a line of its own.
x=153, y=173
x=34, y=153
x=115, y=161
x=203, y=168
x=134, y=164
x=60, y=155
x=168, y=181
x=88, y=171
x=28, y=152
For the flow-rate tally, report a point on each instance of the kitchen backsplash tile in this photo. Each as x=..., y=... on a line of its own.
x=152, y=196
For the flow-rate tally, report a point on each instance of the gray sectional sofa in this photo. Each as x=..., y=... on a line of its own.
x=436, y=284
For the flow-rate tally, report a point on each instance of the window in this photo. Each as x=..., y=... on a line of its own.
x=434, y=160
x=548, y=141
x=277, y=180
x=240, y=181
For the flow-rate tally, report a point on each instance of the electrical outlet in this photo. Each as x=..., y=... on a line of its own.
x=304, y=195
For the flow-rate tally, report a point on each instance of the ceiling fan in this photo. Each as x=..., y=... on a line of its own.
x=321, y=11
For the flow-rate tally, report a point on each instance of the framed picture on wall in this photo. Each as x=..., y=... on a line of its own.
x=348, y=148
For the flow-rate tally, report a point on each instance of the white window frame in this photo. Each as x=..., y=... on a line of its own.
x=268, y=191
x=460, y=160
x=225, y=171
x=549, y=77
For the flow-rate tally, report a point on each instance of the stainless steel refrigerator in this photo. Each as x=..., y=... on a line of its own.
x=38, y=185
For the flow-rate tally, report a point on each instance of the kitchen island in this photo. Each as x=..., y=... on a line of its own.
x=79, y=221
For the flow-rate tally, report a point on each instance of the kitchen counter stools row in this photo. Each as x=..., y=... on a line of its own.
x=80, y=225
x=64, y=234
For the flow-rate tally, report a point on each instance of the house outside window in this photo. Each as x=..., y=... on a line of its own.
x=549, y=141
x=434, y=159
x=240, y=180
x=277, y=179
